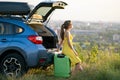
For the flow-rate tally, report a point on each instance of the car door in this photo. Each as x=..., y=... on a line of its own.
x=1, y=36
x=40, y=14
x=5, y=35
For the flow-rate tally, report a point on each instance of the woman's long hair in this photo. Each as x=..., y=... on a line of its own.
x=64, y=26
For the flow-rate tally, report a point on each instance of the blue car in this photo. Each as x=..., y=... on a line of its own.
x=24, y=39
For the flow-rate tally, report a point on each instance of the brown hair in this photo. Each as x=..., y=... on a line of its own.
x=64, y=26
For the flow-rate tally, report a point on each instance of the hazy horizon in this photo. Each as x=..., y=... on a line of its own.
x=86, y=10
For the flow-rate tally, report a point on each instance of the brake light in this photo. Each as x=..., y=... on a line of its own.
x=42, y=60
x=35, y=39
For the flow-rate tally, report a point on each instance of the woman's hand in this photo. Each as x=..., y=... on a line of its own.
x=58, y=50
x=58, y=47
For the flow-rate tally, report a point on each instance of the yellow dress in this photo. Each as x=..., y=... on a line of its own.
x=69, y=52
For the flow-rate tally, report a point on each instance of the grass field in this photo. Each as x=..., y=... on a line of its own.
x=106, y=67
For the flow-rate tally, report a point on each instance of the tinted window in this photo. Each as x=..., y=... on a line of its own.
x=7, y=28
x=18, y=30
x=43, y=11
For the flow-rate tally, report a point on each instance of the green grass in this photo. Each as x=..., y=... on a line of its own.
x=106, y=67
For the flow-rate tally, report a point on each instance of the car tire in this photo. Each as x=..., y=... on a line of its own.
x=13, y=65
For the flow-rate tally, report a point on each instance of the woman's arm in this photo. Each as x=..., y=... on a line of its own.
x=59, y=45
x=61, y=42
x=69, y=43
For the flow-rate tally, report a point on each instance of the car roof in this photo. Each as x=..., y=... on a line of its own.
x=12, y=20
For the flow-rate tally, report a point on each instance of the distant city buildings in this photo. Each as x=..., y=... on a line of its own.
x=92, y=31
x=116, y=37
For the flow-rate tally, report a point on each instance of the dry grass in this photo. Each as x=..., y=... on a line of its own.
x=106, y=67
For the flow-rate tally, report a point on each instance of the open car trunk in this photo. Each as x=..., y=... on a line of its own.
x=39, y=15
x=49, y=36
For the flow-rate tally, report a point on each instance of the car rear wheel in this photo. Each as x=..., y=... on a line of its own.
x=13, y=65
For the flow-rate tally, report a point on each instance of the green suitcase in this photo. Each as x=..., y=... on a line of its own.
x=61, y=65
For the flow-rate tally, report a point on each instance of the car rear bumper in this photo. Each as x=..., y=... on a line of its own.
x=46, y=61
x=42, y=59
x=37, y=58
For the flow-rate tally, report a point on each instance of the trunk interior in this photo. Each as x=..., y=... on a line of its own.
x=49, y=38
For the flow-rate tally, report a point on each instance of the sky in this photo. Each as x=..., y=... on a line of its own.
x=85, y=10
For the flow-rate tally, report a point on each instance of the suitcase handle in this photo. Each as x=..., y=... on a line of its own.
x=60, y=55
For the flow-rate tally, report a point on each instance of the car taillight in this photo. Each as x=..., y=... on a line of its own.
x=35, y=39
x=42, y=60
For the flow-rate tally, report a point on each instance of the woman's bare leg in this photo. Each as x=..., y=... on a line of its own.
x=78, y=67
x=73, y=71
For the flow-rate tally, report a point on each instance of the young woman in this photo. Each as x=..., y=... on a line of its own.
x=67, y=49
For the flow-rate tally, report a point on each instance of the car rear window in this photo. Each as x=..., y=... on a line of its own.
x=43, y=11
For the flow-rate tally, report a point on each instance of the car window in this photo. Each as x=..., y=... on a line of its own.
x=1, y=28
x=43, y=11
x=7, y=28
x=18, y=30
